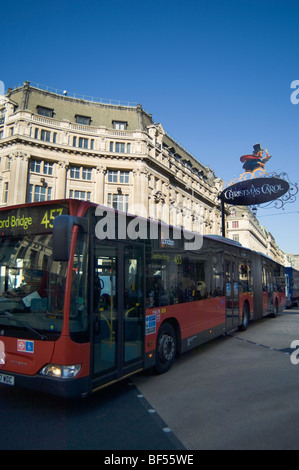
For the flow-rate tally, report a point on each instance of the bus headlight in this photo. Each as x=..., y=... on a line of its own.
x=61, y=372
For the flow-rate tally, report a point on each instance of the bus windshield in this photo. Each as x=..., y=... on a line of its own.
x=32, y=284
x=32, y=287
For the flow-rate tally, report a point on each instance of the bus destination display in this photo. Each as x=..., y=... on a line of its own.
x=26, y=220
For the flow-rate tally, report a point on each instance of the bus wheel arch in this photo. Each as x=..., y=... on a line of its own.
x=168, y=340
x=245, y=316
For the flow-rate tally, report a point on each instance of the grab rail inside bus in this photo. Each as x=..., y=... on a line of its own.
x=62, y=234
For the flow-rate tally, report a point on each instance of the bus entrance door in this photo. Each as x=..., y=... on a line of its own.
x=118, y=325
x=231, y=292
x=105, y=310
x=133, y=298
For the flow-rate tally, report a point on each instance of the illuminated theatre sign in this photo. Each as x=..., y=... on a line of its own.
x=257, y=191
x=255, y=186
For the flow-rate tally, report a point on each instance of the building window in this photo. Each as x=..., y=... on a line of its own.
x=43, y=111
x=2, y=116
x=86, y=120
x=115, y=176
x=120, y=147
x=86, y=174
x=235, y=237
x=39, y=166
x=35, y=166
x=82, y=195
x=235, y=224
x=78, y=172
x=45, y=135
x=48, y=168
x=75, y=172
x=112, y=176
x=120, y=125
x=124, y=177
x=39, y=193
x=119, y=201
x=83, y=143
x=5, y=195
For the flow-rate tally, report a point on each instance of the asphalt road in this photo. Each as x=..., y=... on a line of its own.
x=237, y=392
x=116, y=418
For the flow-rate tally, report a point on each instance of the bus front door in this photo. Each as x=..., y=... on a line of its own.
x=133, y=298
x=105, y=310
x=118, y=326
x=231, y=292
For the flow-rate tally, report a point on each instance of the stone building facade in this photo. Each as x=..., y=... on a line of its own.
x=244, y=227
x=54, y=146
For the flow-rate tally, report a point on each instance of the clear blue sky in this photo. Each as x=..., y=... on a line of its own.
x=215, y=73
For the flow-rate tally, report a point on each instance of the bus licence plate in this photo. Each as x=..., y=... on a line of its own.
x=7, y=379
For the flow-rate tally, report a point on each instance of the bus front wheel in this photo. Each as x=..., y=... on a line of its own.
x=166, y=348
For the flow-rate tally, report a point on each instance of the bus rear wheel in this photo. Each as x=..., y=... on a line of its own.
x=245, y=318
x=166, y=348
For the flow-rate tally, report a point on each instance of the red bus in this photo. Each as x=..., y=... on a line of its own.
x=89, y=295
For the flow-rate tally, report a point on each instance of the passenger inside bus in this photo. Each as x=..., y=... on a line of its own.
x=174, y=278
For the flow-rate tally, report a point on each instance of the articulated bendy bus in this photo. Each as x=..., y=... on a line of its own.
x=89, y=295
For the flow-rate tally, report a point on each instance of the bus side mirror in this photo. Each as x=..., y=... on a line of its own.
x=62, y=235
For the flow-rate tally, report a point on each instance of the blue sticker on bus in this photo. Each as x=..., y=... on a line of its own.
x=150, y=324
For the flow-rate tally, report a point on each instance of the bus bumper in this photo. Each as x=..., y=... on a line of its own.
x=66, y=388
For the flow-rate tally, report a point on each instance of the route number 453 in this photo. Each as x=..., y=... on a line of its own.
x=50, y=215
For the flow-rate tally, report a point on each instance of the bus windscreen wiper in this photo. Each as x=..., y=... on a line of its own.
x=7, y=314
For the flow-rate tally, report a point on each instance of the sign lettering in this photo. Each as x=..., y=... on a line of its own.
x=255, y=191
x=35, y=219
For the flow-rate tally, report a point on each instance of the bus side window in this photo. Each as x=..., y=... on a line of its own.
x=264, y=280
x=217, y=279
x=200, y=281
x=243, y=277
x=188, y=279
x=157, y=282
